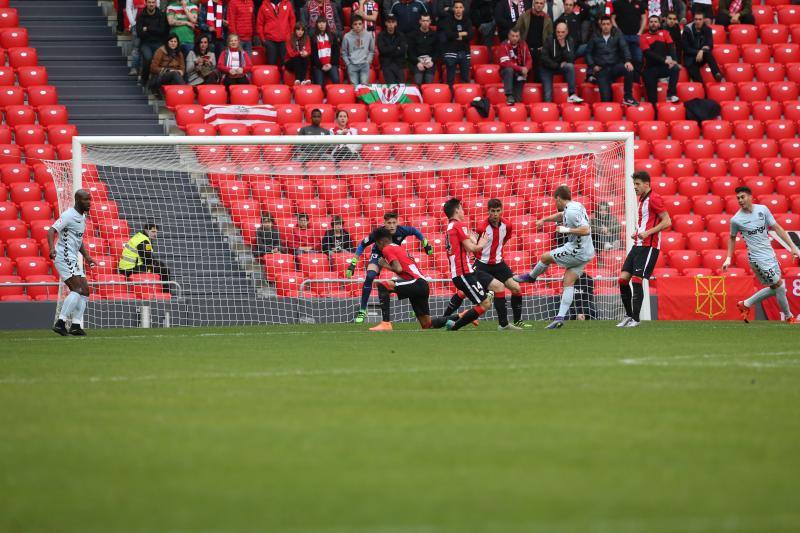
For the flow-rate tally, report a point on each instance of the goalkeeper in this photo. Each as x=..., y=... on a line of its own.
x=399, y=234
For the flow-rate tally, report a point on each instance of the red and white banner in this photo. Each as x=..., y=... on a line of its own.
x=702, y=297
x=239, y=114
x=770, y=305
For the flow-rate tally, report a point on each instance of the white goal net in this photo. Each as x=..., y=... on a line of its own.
x=256, y=230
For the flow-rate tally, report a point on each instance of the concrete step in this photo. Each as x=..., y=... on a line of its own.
x=51, y=52
x=116, y=90
x=53, y=32
x=109, y=127
x=63, y=9
x=57, y=70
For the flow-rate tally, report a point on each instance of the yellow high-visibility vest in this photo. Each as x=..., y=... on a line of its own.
x=130, y=255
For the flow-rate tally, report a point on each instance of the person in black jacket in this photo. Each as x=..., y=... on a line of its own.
x=660, y=62
x=674, y=28
x=458, y=32
x=392, y=51
x=337, y=239
x=576, y=17
x=558, y=57
x=324, y=54
x=506, y=14
x=422, y=51
x=152, y=30
x=608, y=58
x=268, y=238
x=481, y=13
x=697, y=45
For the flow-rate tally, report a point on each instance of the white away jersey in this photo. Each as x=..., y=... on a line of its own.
x=754, y=227
x=574, y=217
x=70, y=227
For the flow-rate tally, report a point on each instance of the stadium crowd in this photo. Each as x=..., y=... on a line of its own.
x=399, y=41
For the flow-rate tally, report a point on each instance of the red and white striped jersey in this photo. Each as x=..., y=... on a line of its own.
x=394, y=252
x=457, y=255
x=498, y=237
x=651, y=205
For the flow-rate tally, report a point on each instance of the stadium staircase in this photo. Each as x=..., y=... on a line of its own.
x=74, y=42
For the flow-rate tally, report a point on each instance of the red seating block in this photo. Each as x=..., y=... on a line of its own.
x=781, y=129
x=777, y=203
x=485, y=74
x=756, y=53
x=702, y=240
x=274, y=94
x=652, y=130
x=7, y=292
x=13, y=37
x=29, y=76
x=663, y=185
x=684, y=259
x=61, y=133
x=175, y=95
x=686, y=224
x=742, y=34
x=666, y=149
x=25, y=247
x=775, y=166
x=718, y=223
x=642, y=112
x=677, y=168
x=783, y=91
x=787, y=185
x=742, y=167
x=544, y=112
x=243, y=94
x=748, y=129
x=671, y=112
x=20, y=115
x=773, y=34
x=753, y=91
x=436, y=93
x=212, y=95
x=698, y=148
x=786, y=52
x=739, y=72
x=22, y=56
x=308, y=94
x=25, y=192
x=716, y=129
x=51, y=115
x=721, y=92
x=788, y=221
x=688, y=90
x=790, y=148
x=735, y=111
x=444, y=113
x=32, y=266
x=692, y=186
x=711, y=167
x=730, y=148
x=189, y=114
x=672, y=240
x=677, y=205
x=266, y=75
x=607, y=111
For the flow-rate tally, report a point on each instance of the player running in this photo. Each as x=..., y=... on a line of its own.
x=651, y=219
x=399, y=234
x=70, y=227
x=753, y=221
x=477, y=285
x=573, y=256
x=409, y=284
x=497, y=231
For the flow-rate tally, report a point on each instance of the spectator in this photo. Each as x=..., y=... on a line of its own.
x=704, y=7
x=344, y=151
x=697, y=45
x=303, y=238
x=213, y=21
x=313, y=152
x=606, y=229
x=298, y=52
x=408, y=13
x=268, y=238
x=182, y=18
x=368, y=10
x=358, y=49
x=441, y=9
x=515, y=63
x=167, y=66
x=507, y=13
x=324, y=54
x=152, y=29
x=337, y=239
x=201, y=63
x=422, y=51
x=558, y=57
x=576, y=17
x=534, y=27
x=674, y=30
x=481, y=13
x=608, y=58
x=659, y=51
x=554, y=8
x=392, y=52
x=735, y=12
x=315, y=9
x=241, y=15
x=458, y=33
x=661, y=8
x=138, y=255
x=631, y=20
x=234, y=64
x=274, y=26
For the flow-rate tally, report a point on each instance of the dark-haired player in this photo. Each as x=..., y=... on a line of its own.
x=651, y=219
x=399, y=234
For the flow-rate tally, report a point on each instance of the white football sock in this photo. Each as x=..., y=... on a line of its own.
x=783, y=302
x=539, y=269
x=763, y=294
x=566, y=301
x=81, y=307
x=69, y=305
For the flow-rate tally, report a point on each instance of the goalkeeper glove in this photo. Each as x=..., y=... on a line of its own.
x=351, y=267
x=562, y=229
x=427, y=247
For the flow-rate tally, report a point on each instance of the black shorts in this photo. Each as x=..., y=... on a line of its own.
x=499, y=271
x=417, y=294
x=641, y=261
x=474, y=285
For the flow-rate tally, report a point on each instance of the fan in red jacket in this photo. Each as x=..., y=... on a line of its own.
x=298, y=52
x=515, y=64
x=234, y=63
x=274, y=27
x=241, y=20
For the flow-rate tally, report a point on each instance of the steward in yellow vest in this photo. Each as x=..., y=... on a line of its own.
x=138, y=256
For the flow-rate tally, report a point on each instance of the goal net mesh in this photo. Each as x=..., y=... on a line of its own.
x=250, y=233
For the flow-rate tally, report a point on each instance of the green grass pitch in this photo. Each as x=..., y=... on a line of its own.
x=671, y=427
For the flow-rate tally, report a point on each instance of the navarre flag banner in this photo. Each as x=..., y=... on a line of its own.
x=770, y=305
x=388, y=94
x=239, y=114
x=702, y=297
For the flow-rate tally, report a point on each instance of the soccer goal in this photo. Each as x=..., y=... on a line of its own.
x=209, y=197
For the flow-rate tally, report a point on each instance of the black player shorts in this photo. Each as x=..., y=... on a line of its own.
x=499, y=271
x=641, y=261
x=417, y=293
x=474, y=285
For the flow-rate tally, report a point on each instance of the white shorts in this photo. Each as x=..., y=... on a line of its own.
x=768, y=273
x=68, y=268
x=570, y=259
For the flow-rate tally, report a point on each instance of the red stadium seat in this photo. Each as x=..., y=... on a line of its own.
x=762, y=148
x=764, y=15
x=686, y=224
x=664, y=185
x=721, y=92
x=775, y=166
x=576, y=112
x=684, y=259
x=288, y=113
x=642, y=112
x=735, y=111
x=692, y=186
x=496, y=94
x=698, y=148
x=7, y=293
x=783, y=91
x=753, y=91
x=13, y=37
x=677, y=205
x=465, y=93
x=416, y=113
x=355, y=112
x=742, y=34
x=544, y=112
x=667, y=149
x=274, y=94
x=32, y=266
x=793, y=69
x=479, y=55
x=716, y=129
x=29, y=134
x=436, y=93
x=19, y=115
x=718, y=222
x=31, y=76
x=22, y=56
x=731, y=205
x=763, y=111
x=200, y=129
x=791, y=110
x=620, y=125
x=683, y=130
x=652, y=130
x=739, y=72
x=189, y=114
x=25, y=192
x=61, y=134
x=748, y=129
x=781, y=129
x=702, y=240
x=688, y=90
x=788, y=221
x=777, y=203
x=308, y=94
x=266, y=75
x=786, y=52
x=678, y=168
x=512, y=113
x=37, y=153
x=258, y=55
x=381, y=113
x=711, y=167
x=671, y=112
x=790, y=148
x=730, y=148
x=485, y=74
x=672, y=240
x=770, y=72
x=785, y=259
x=16, y=248
x=788, y=14
x=243, y=94
x=14, y=173
x=642, y=149
x=52, y=115
x=774, y=34
x=707, y=204
x=743, y=166
x=212, y=95
x=787, y=185
x=444, y=113
x=756, y=53
x=726, y=53
x=607, y=111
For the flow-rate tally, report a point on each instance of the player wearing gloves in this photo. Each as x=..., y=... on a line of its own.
x=399, y=234
x=573, y=256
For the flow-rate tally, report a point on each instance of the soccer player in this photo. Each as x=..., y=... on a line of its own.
x=70, y=227
x=409, y=284
x=478, y=285
x=497, y=231
x=573, y=256
x=651, y=219
x=399, y=234
x=753, y=221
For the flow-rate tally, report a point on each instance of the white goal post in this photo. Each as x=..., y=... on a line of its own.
x=208, y=235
